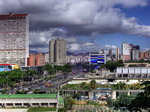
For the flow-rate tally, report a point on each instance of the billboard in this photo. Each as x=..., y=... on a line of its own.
x=97, y=59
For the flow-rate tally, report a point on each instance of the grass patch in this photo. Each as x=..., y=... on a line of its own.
x=41, y=109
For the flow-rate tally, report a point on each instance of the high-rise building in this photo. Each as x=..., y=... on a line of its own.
x=126, y=49
x=110, y=53
x=135, y=51
x=14, y=39
x=135, y=54
x=57, y=51
x=117, y=54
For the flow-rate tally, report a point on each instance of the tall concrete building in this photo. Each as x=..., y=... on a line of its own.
x=117, y=54
x=135, y=51
x=126, y=49
x=57, y=51
x=14, y=39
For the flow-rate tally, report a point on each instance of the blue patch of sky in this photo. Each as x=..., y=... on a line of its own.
x=117, y=39
x=141, y=13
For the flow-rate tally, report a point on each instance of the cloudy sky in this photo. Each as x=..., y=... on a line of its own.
x=87, y=25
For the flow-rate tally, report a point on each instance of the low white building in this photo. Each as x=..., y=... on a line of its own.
x=30, y=100
x=133, y=72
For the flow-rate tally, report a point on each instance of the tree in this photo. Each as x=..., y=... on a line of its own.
x=49, y=68
x=120, y=85
x=142, y=101
x=93, y=84
x=123, y=101
x=68, y=102
x=113, y=65
x=30, y=74
x=67, y=68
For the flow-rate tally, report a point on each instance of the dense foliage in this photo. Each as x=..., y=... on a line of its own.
x=52, y=69
x=41, y=109
x=142, y=101
x=111, y=65
x=68, y=103
x=118, y=86
x=10, y=78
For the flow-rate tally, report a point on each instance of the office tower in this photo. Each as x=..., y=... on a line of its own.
x=126, y=49
x=57, y=51
x=135, y=54
x=135, y=51
x=14, y=39
x=110, y=53
x=117, y=54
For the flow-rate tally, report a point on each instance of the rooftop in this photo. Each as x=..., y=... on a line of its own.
x=14, y=15
x=19, y=96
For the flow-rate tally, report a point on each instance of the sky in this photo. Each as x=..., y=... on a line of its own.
x=86, y=25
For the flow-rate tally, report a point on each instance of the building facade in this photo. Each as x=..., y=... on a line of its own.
x=30, y=100
x=57, y=51
x=36, y=59
x=135, y=54
x=97, y=59
x=133, y=72
x=126, y=49
x=117, y=54
x=144, y=55
x=14, y=39
x=77, y=59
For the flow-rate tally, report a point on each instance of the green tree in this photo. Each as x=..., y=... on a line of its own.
x=66, y=68
x=68, y=103
x=120, y=85
x=93, y=84
x=30, y=74
x=142, y=101
x=123, y=101
x=49, y=68
x=113, y=65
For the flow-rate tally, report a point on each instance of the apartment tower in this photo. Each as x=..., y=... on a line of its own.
x=57, y=51
x=14, y=39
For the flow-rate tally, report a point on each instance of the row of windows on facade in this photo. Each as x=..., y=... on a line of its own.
x=18, y=29
x=11, y=35
x=12, y=47
x=12, y=18
x=11, y=23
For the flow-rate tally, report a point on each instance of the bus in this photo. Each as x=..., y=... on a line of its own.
x=8, y=67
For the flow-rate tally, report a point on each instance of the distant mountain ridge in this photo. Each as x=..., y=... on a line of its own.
x=36, y=52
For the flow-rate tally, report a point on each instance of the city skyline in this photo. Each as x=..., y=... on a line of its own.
x=85, y=29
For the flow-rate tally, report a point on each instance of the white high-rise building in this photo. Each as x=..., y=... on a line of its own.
x=126, y=51
x=57, y=51
x=14, y=39
x=126, y=48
